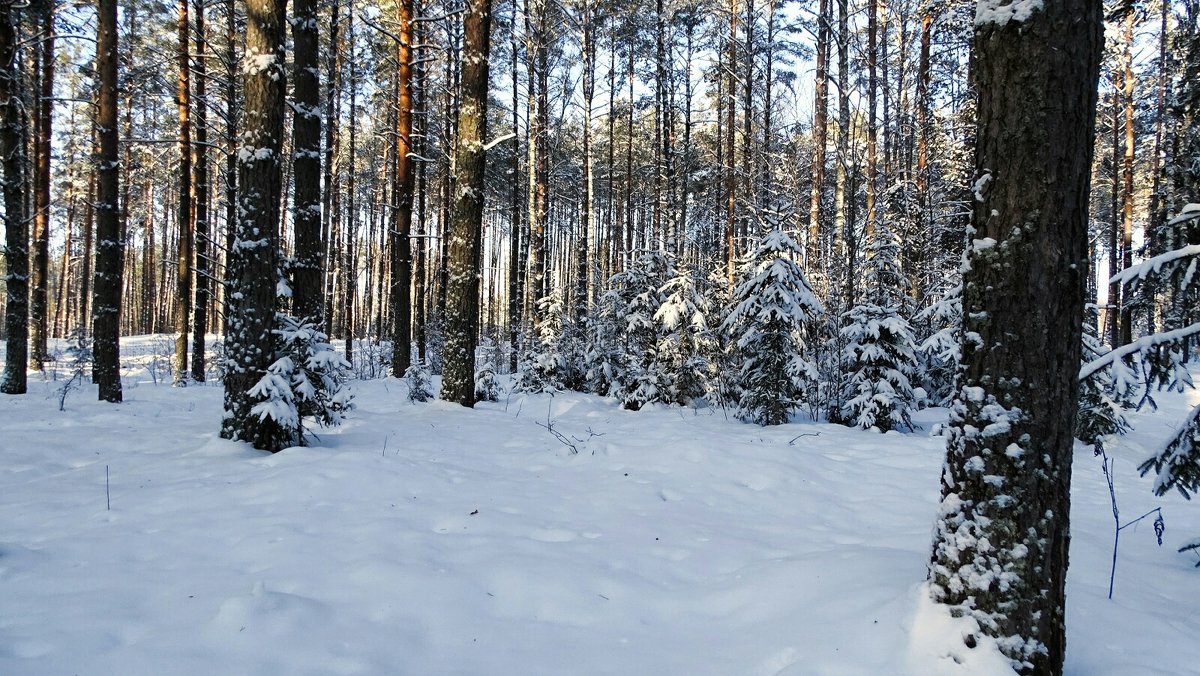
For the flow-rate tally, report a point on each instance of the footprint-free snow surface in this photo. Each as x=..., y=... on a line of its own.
x=431, y=539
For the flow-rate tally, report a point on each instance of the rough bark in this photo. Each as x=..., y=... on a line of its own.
x=183, y=260
x=253, y=257
x=110, y=247
x=307, y=281
x=462, y=293
x=13, y=129
x=1002, y=535
x=200, y=183
x=39, y=261
x=819, y=136
x=402, y=196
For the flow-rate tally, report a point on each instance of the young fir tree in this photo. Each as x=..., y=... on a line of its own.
x=941, y=352
x=602, y=358
x=306, y=380
x=639, y=287
x=772, y=307
x=685, y=345
x=880, y=358
x=542, y=366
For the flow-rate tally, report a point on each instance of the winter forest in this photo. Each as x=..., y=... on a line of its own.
x=574, y=336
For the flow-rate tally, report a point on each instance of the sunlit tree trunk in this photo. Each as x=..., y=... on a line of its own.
x=462, y=295
x=1002, y=534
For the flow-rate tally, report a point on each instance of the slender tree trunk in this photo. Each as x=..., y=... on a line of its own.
x=13, y=130
x=183, y=264
x=308, y=281
x=110, y=246
x=232, y=115
x=1129, y=82
x=204, y=248
x=402, y=197
x=253, y=259
x=516, y=278
x=820, y=137
x=872, y=130
x=40, y=259
x=730, y=138
x=462, y=297
x=1002, y=535
x=843, y=202
x=588, y=49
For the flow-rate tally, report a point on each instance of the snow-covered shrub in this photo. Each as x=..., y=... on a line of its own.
x=487, y=386
x=420, y=383
x=306, y=381
x=772, y=308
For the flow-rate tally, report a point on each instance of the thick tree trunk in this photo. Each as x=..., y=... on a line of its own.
x=1001, y=540
x=110, y=246
x=307, y=272
x=253, y=258
x=13, y=130
x=462, y=294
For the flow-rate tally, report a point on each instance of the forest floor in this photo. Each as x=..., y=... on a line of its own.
x=431, y=539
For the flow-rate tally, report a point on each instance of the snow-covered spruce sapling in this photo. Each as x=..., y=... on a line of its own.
x=685, y=344
x=773, y=306
x=542, y=366
x=487, y=386
x=879, y=359
x=79, y=360
x=306, y=381
x=420, y=383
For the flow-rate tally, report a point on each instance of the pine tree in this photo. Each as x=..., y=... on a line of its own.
x=1002, y=532
x=13, y=131
x=773, y=306
x=110, y=245
x=253, y=267
x=462, y=294
x=879, y=359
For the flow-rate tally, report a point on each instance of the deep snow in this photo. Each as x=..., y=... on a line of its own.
x=430, y=539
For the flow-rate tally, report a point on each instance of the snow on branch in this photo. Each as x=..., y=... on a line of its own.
x=1140, y=345
x=1153, y=265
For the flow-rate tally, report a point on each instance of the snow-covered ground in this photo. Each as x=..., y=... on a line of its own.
x=431, y=539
